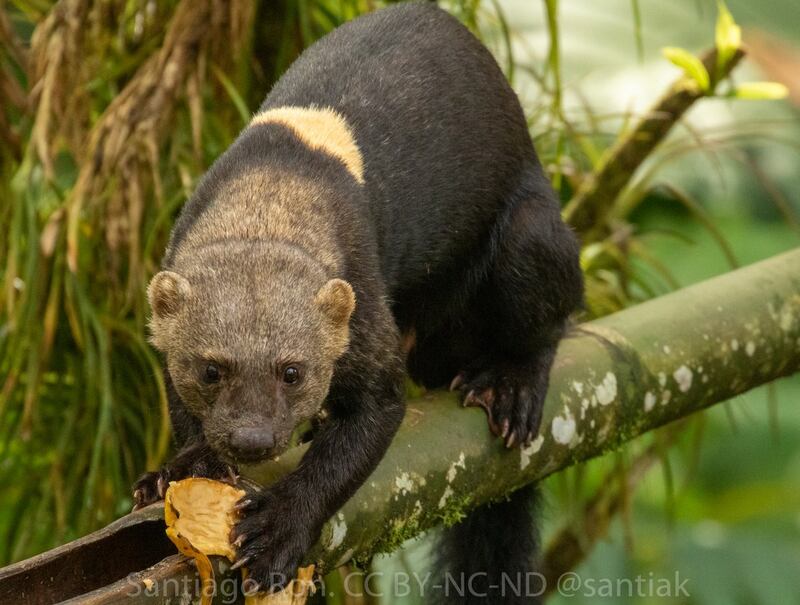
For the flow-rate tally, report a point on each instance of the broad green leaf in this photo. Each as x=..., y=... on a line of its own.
x=691, y=65
x=761, y=90
x=728, y=35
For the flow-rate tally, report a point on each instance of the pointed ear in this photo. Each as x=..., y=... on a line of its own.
x=337, y=301
x=167, y=292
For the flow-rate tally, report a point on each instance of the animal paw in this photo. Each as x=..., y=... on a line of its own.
x=510, y=397
x=193, y=461
x=150, y=488
x=271, y=539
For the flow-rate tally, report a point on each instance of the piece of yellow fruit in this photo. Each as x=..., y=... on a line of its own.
x=200, y=514
x=295, y=593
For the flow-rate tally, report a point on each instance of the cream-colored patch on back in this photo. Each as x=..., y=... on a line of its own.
x=320, y=128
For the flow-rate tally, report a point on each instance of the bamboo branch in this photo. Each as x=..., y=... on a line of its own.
x=614, y=379
x=589, y=208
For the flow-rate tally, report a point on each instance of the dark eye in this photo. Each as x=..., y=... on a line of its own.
x=212, y=374
x=291, y=375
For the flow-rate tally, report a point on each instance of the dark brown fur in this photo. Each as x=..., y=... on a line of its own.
x=285, y=256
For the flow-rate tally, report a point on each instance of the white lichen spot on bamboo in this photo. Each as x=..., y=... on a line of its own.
x=683, y=376
x=529, y=451
x=662, y=379
x=606, y=391
x=753, y=328
x=750, y=348
x=734, y=345
x=578, y=387
x=786, y=318
x=563, y=428
x=404, y=484
x=453, y=470
x=667, y=350
x=665, y=397
x=338, y=532
x=649, y=401
x=604, y=431
x=448, y=491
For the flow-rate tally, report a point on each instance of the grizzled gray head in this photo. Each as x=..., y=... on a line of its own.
x=251, y=333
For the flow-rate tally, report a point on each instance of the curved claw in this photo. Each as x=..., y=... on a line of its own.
x=484, y=400
x=161, y=485
x=240, y=540
x=137, y=500
x=233, y=475
x=240, y=562
x=470, y=400
x=511, y=440
x=457, y=381
x=244, y=504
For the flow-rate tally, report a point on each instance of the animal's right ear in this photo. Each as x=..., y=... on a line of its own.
x=167, y=292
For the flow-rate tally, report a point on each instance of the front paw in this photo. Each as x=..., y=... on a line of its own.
x=150, y=488
x=192, y=461
x=271, y=539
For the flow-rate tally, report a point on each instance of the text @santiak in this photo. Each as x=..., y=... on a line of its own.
x=411, y=585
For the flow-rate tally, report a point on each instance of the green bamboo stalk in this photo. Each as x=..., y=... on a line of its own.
x=613, y=380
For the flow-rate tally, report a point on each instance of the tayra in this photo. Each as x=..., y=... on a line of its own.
x=383, y=213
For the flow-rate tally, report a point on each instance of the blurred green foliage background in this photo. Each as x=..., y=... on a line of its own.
x=112, y=110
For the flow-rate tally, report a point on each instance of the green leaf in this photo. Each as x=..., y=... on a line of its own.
x=236, y=98
x=728, y=35
x=691, y=65
x=637, y=29
x=761, y=91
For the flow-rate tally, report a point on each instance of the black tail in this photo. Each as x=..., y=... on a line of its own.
x=490, y=558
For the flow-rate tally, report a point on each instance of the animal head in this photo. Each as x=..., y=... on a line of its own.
x=251, y=335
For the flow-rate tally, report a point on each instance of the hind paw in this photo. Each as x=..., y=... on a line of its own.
x=508, y=395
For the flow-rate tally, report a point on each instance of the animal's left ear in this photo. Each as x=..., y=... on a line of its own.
x=336, y=300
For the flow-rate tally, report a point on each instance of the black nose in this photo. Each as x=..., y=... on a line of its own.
x=252, y=441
